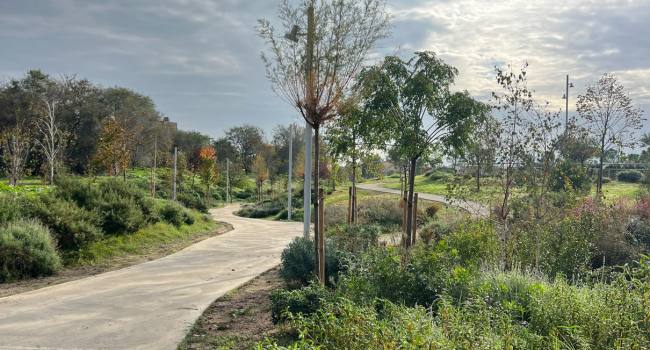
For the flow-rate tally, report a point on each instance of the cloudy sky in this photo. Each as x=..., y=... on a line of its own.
x=199, y=59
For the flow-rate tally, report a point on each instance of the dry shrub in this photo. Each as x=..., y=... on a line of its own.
x=433, y=209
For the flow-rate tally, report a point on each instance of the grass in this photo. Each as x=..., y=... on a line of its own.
x=613, y=191
x=145, y=241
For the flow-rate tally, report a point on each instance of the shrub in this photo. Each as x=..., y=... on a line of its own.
x=192, y=202
x=433, y=209
x=605, y=180
x=26, y=250
x=440, y=176
x=175, y=214
x=263, y=210
x=632, y=176
x=12, y=206
x=298, y=261
x=73, y=227
x=474, y=241
x=121, y=215
x=306, y=301
x=381, y=211
x=356, y=239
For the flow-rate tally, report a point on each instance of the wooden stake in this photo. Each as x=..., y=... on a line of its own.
x=415, y=218
x=321, y=236
x=355, y=214
x=349, y=204
x=404, y=216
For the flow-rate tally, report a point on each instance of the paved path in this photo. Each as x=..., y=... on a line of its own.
x=475, y=209
x=147, y=306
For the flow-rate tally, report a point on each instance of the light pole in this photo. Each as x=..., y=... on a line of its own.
x=566, y=97
x=289, y=171
x=293, y=36
x=227, y=179
x=175, y=157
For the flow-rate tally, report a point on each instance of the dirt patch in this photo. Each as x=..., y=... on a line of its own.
x=83, y=271
x=237, y=320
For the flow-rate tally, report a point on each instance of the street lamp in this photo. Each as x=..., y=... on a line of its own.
x=566, y=97
x=293, y=36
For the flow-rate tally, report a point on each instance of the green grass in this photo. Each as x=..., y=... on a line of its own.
x=142, y=242
x=613, y=191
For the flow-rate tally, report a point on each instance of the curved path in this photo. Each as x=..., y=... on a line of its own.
x=147, y=306
x=475, y=209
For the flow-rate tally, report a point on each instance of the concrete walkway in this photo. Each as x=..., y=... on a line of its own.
x=147, y=306
x=475, y=209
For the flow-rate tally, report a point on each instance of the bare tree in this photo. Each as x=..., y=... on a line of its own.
x=313, y=72
x=610, y=116
x=16, y=146
x=53, y=139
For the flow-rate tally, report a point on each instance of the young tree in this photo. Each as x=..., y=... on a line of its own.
x=579, y=147
x=401, y=93
x=51, y=96
x=482, y=147
x=209, y=170
x=114, y=146
x=312, y=73
x=261, y=174
x=16, y=146
x=610, y=117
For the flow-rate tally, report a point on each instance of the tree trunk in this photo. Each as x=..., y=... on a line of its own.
x=409, y=214
x=600, y=167
x=317, y=232
x=354, y=186
x=478, y=177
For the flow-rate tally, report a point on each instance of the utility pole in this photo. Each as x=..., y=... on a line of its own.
x=290, y=155
x=227, y=179
x=175, y=157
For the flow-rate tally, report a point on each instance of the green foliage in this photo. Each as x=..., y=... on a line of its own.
x=441, y=176
x=175, y=214
x=298, y=261
x=26, y=250
x=192, y=202
x=263, y=210
x=632, y=176
x=12, y=206
x=72, y=226
x=569, y=176
x=305, y=301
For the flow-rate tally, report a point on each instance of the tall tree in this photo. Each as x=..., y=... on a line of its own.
x=246, y=140
x=402, y=93
x=610, y=117
x=53, y=139
x=312, y=73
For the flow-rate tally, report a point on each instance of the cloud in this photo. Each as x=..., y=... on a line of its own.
x=199, y=59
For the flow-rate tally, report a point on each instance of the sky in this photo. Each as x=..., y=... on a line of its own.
x=199, y=59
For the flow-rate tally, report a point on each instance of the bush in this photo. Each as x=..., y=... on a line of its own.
x=298, y=261
x=175, y=214
x=356, y=239
x=631, y=176
x=121, y=215
x=73, y=227
x=604, y=180
x=26, y=250
x=440, y=176
x=569, y=176
x=306, y=301
x=380, y=211
x=192, y=202
x=263, y=210
x=433, y=209
x=12, y=206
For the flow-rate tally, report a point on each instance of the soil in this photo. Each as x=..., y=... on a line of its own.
x=239, y=319
x=83, y=271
